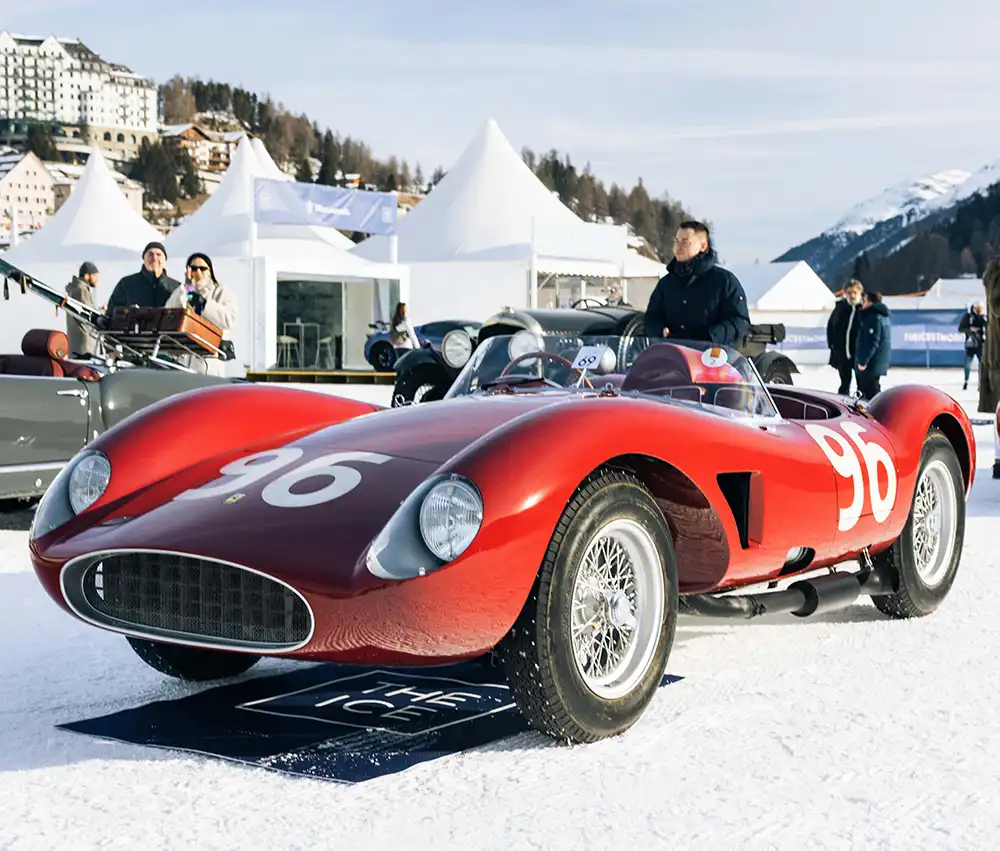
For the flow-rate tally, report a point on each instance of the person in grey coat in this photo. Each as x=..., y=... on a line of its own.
x=874, y=345
x=82, y=339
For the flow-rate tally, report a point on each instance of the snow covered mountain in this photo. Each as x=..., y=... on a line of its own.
x=882, y=224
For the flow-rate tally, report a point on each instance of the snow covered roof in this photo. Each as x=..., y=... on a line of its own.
x=222, y=225
x=96, y=223
x=485, y=209
x=783, y=286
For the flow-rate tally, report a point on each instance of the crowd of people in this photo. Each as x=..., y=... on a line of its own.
x=697, y=299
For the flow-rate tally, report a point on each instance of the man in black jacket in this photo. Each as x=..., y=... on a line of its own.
x=842, y=334
x=150, y=286
x=696, y=299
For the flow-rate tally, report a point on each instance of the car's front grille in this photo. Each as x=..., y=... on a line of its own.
x=180, y=596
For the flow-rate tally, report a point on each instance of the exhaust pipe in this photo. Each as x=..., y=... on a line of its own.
x=803, y=599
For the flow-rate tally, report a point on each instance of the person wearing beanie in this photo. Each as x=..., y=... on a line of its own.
x=82, y=340
x=151, y=286
x=203, y=293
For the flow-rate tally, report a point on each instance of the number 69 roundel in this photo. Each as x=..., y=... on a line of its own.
x=847, y=461
x=245, y=471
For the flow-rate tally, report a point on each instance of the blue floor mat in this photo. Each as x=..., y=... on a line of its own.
x=331, y=722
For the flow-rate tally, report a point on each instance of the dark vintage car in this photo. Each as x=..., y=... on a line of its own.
x=52, y=404
x=382, y=355
x=425, y=375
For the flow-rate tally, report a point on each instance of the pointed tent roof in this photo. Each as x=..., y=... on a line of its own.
x=783, y=286
x=483, y=209
x=267, y=163
x=95, y=223
x=221, y=226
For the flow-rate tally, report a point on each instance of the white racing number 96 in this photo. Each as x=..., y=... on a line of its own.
x=846, y=462
x=245, y=471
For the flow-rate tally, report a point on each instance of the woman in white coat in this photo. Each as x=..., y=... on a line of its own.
x=207, y=297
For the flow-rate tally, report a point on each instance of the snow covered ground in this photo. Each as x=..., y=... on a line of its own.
x=847, y=732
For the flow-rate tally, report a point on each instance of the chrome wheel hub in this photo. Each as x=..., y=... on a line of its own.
x=618, y=609
x=935, y=522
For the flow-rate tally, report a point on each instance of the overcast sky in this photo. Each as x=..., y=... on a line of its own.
x=769, y=118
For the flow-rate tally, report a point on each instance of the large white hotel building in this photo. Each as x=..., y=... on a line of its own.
x=60, y=81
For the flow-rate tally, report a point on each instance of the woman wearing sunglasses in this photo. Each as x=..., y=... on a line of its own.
x=207, y=297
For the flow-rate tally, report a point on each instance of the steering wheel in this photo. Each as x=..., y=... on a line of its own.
x=545, y=356
x=586, y=302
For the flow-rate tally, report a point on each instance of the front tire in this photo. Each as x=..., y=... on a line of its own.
x=423, y=384
x=925, y=557
x=191, y=663
x=588, y=650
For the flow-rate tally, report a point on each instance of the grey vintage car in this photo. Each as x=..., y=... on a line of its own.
x=52, y=404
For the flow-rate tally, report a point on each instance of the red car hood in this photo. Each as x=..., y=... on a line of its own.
x=319, y=547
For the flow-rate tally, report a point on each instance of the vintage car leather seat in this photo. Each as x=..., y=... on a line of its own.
x=43, y=353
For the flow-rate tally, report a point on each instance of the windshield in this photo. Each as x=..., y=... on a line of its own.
x=716, y=378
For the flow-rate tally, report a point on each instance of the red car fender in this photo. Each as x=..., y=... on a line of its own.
x=907, y=412
x=192, y=427
x=528, y=470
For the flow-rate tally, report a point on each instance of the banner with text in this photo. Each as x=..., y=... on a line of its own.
x=919, y=338
x=285, y=202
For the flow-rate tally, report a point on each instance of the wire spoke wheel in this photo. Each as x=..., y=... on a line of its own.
x=617, y=609
x=935, y=519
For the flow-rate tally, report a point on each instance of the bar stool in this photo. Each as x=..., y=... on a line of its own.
x=287, y=347
x=325, y=351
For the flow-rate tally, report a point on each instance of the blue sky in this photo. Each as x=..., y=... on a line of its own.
x=767, y=118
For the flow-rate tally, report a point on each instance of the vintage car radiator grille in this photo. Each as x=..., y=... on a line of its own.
x=184, y=596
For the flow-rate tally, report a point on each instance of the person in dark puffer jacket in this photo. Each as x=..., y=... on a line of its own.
x=697, y=299
x=151, y=286
x=874, y=345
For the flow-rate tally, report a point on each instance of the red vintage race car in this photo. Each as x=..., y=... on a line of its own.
x=553, y=514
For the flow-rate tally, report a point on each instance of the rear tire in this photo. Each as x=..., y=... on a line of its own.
x=610, y=561
x=778, y=373
x=925, y=557
x=191, y=663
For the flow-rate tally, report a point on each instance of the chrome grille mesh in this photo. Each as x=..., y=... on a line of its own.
x=185, y=595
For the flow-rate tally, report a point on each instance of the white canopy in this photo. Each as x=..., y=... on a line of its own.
x=223, y=225
x=783, y=286
x=95, y=223
x=491, y=207
x=270, y=167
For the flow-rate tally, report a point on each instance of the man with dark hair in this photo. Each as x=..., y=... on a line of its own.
x=150, y=286
x=696, y=299
x=874, y=345
x=842, y=334
x=82, y=339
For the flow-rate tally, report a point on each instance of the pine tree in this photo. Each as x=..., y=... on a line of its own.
x=418, y=179
x=41, y=143
x=304, y=172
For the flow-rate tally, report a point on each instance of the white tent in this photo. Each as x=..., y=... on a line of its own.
x=254, y=260
x=482, y=236
x=224, y=224
x=783, y=286
x=270, y=167
x=490, y=206
x=97, y=224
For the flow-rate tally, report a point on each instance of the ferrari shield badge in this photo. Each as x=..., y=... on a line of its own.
x=714, y=357
x=236, y=497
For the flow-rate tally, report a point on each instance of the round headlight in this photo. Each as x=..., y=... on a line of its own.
x=89, y=480
x=524, y=342
x=450, y=517
x=456, y=348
